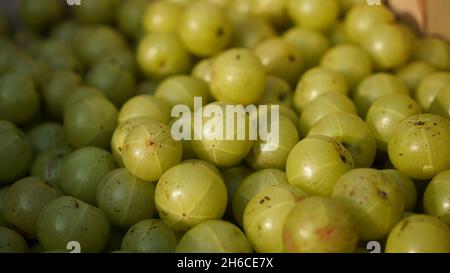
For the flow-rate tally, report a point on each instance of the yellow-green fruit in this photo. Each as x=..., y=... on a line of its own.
x=436, y=199
x=146, y=144
x=385, y=115
x=184, y=201
x=238, y=76
x=420, y=146
x=430, y=87
x=12, y=242
x=265, y=215
x=419, y=234
x=407, y=186
x=214, y=236
x=161, y=16
x=232, y=177
x=315, y=82
x=319, y=224
x=373, y=198
x=253, y=184
x=350, y=131
x=24, y=201
x=316, y=163
x=145, y=106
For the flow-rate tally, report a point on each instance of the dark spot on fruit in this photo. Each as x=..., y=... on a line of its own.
x=351, y=193
x=150, y=142
x=434, y=123
x=343, y=158
x=220, y=32
x=238, y=56
x=382, y=195
x=409, y=106
x=162, y=64
x=291, y=58
x=76, y=205
x=120, y=149
x=400, y=154
x=419, y=123
x=184, y=214
x=264, y=199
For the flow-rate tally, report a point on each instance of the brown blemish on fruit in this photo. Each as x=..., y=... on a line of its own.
x=419, y=123
x=404, y=224
x=325, y=233
x=343, y=158
x=150, y=142
x=291, y=58
x=220, y=32
x=382, y=195
x=264, y=199
x=238, y=56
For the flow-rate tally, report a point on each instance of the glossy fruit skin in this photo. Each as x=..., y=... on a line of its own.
x=145, y=106
x=48, y=165
x=47, y=136
x=273, y=11
x=162, y=54
x=419, y=234
x=237, y=72
x=16, y=156
x=19, y=101
x=259, y=159
x=265, y=215
x=203, y=69
x=430, y=87
x=179, y=200
x=69, y=219
x=386, y=113
x=24, y=201
x=441, y=104
x=119, y=135
x=116, y=81
x=406, y=185
x=319, y=224
x=420, y=146
x=59, y=87
x=150, y=236
x=90, y=122
x=280, y=58
x=12, y=242
x=313, y=14
x=182, y=89
x=204, y=28
x=315, y=164
x=214, y=236
x=350, y=131
x=350, y=61
x=147, y=143
x=162, y=16
x=413, y=73
x=436, y=197
x=326, y=104
x=361, y=19
x=211, y=147
x=126, y=199
x=315, y=82
x=312, y=44
x=251, y=185
x=82, y=171
x=388, y=45
x=433, y=51
x=373, y=198
x=376, y=86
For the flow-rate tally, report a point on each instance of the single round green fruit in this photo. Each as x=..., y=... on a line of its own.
x=319, y=224
x=184, y=201
x=436, y=199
